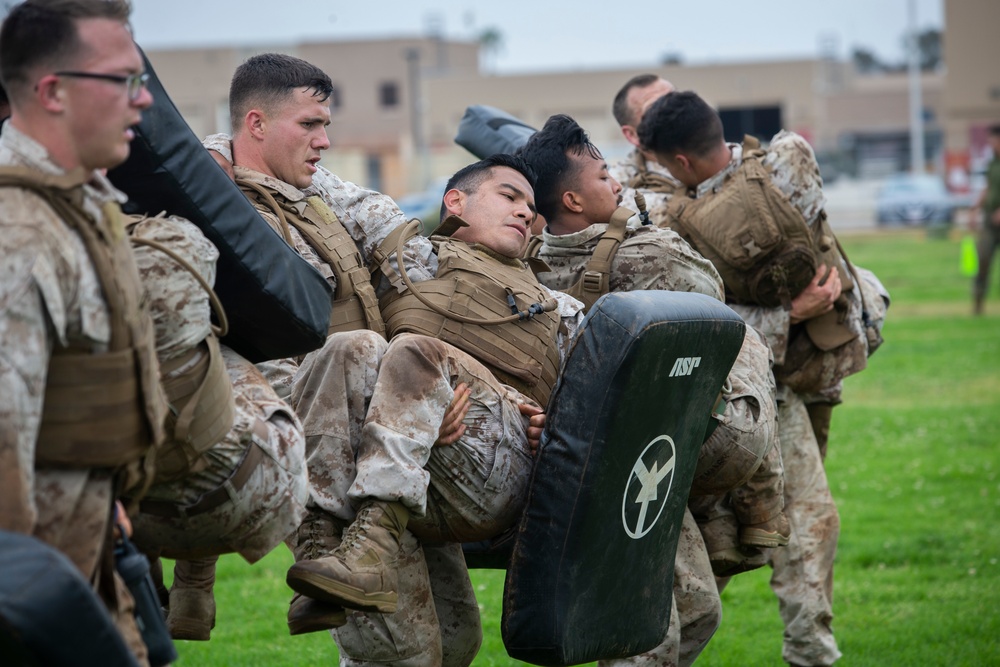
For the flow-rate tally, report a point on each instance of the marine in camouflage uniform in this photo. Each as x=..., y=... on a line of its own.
x=636, y=172
x=438, y=617
x=653, y=258
x=802, y=571
x=247, y=492
x=69, y=293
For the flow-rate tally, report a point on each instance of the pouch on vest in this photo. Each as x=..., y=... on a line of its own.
x=278, y=305
x=757, y=240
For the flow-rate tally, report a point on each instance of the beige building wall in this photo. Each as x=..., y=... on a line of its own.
x=972, y=89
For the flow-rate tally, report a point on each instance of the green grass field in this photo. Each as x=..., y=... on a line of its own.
x=913, y=463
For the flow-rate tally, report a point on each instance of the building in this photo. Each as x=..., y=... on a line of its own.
x=397, y=102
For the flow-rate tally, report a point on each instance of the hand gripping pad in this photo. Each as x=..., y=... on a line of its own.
x=277, y=304
x=591, y=573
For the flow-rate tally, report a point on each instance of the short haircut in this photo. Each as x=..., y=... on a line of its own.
x=995, y=130
x=265, y=81
x=680, y=122
x=548, y=153
x=620, y=107
x=468, y=179
x=43, y=33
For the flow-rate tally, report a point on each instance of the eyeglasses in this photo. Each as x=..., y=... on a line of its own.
x=134, y=83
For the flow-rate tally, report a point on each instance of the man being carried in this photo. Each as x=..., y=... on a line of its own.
x=578, y=198
x=474, y=488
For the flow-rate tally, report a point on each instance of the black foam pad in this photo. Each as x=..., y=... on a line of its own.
x=591, y=572
x=49, y=614
x=277, y=304
x=486, y=131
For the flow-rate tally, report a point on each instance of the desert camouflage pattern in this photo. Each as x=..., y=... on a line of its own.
x=271, y=504
x=627, y=168
x=802, y=577
x=50, y=294
x=438, y=618
x=648, y=258
x=267, y=509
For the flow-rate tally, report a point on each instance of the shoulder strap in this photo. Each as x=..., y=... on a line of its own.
x=596, y=278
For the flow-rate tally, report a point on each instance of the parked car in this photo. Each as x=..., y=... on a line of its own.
x=424, y=205
x=914, y=199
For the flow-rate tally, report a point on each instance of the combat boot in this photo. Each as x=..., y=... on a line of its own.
x=317, y=537
x=360, y=573
x=772, y=533
x=192, y=604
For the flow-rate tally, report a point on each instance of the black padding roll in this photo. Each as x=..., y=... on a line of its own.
x=591, y=573
x=277, y=304
x=486, y=131
x=49, y=614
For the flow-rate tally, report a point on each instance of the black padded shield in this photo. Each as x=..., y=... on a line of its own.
x=591, y=573
x=277, y=304
x=49, y=614
x=486, y=131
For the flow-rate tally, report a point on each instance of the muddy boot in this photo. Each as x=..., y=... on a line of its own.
x=192, y=605
x=317, y=537
x=361, y=572
x=721, y=535
x=772, y=533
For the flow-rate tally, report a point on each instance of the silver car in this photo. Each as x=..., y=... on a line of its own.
x=914, y=199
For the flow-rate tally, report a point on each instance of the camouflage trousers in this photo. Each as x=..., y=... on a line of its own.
x=264, y=509
x=803, y=571
x=368, y=406
x=695, y=610
x=465, y=492
x=74, y=509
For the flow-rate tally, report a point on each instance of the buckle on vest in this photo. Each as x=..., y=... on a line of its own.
x=592, y=281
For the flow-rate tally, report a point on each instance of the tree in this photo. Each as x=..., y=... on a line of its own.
x=930, y=49
x=490, y=45
x=865, y=61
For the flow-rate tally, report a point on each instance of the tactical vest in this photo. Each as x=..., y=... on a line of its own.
x=595, y=281
x=651, y=181
x=198, y=388
x=101, y=409
x=759, y=243
x=474, y=285
x=355, y=305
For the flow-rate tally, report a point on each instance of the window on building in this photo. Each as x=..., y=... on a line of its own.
x=388, y=95
x=760, y=122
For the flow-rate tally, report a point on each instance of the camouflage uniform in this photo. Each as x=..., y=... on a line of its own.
x=50, y=295
x=269, y=506
x=803, y=570
x=626, y=170
x=438, y=617
x=653, y=258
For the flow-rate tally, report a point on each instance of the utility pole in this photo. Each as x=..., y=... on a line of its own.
x=916, y=102
x=417, y=118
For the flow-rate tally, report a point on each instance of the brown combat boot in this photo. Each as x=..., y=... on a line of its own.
x=317, y=537
x=361, y=572
x=772, y=533
x=192, y=605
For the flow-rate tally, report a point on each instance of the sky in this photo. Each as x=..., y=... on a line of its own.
x=555, y=35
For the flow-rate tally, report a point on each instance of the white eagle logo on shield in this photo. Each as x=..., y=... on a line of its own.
x=648, y=487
